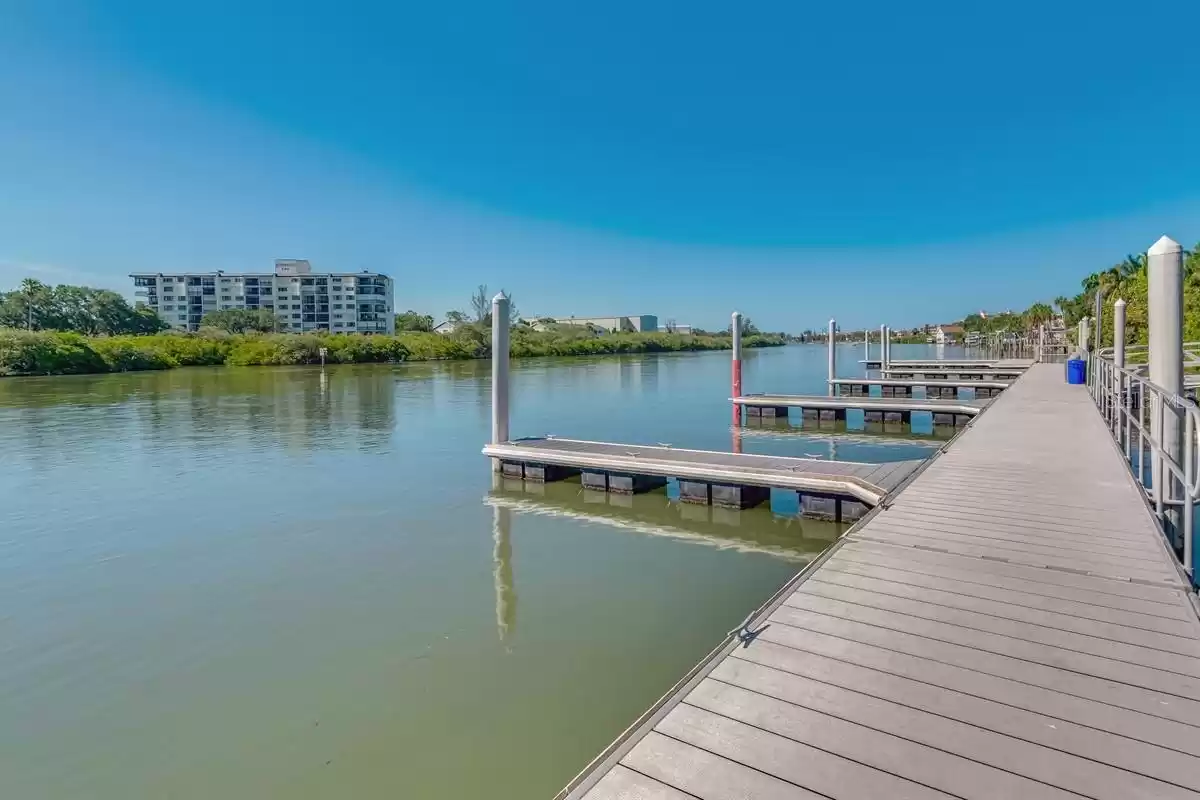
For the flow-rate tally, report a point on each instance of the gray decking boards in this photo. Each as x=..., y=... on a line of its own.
x=1010, y=625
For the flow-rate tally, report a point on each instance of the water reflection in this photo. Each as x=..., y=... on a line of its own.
x=775, y=530
x=502, y=572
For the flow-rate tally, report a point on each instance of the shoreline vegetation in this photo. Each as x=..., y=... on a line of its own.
x=51, y=352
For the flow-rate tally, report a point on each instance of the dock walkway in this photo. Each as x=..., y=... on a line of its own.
x=1010, y=624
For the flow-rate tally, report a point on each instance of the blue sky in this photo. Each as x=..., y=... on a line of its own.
x=875, y=161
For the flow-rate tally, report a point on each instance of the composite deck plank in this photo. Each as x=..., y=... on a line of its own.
x=810, y=768
x=966, y=701
x=1098, y=544
x=625, y=784
x=1121, y=594
x=1162, y=576
x=1025, y=542
x=1010, y=624
x=704, y=774
x=897, y=755
x=1009, y=757
x=1016, y=688
x=1024, y=594
x=1055, y=630
x=951, y=595
x=983, y=633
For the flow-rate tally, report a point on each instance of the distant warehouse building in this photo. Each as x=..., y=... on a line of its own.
x=643, y=323
x=300, y=299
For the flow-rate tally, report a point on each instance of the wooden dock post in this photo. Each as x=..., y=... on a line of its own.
x=500, y=356
x=832, y=355
x=736, y=332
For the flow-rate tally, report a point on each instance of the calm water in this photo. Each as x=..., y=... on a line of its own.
x=303, y=583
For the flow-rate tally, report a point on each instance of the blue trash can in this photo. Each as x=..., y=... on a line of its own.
x=1077, y=371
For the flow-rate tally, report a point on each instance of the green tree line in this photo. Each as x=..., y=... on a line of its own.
x=44, y=352
x=36, y=306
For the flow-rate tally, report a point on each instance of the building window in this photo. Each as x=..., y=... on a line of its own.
x=295, y=316
x=225, y=280
x=349, y=324
x=337, y=324
x=239, y=297
x=295, y=308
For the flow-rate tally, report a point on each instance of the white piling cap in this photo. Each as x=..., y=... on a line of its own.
x=1119, y=302
x=1163, y=246
x=737, y=314
x=500, y=296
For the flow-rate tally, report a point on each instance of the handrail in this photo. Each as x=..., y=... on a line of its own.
x=1121, y=395
x=1191, y=353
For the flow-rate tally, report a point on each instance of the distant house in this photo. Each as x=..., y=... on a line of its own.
x=645, y=323
x=445, y=327
x=948, y=334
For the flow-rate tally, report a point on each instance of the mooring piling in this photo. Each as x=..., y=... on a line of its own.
x=500, y=356
x=832, y=354
x=736, y=331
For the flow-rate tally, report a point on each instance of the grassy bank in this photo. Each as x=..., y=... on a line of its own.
x=58, y=353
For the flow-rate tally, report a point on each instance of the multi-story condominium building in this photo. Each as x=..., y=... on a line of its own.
x=301, y=300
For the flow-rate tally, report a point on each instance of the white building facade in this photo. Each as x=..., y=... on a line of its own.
x=302, y=300
x=643, y=323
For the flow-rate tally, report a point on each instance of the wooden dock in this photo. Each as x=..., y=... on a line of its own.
x=1010, y=625
x=840, y=490
x=875, y=409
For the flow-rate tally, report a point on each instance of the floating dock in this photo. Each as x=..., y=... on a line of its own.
x=1006, y=364
x=1010, y=625
x=893, y=387
x=964, y=373
x=839, y=490
x=875, y=409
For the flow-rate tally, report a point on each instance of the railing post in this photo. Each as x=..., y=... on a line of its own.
x=866, y=344
x=500, y=355
x=1041, y=346
x=1189, y=473
x=1164, y=272
x=1098, y=320
x=883, y=353
x=736, y=331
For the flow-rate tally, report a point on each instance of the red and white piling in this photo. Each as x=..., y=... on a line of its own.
x=736, y=331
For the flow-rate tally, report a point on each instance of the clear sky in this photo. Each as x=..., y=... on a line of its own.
x=875, y=161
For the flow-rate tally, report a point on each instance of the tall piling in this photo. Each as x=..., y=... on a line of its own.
x=736, y=332
x=500, y=357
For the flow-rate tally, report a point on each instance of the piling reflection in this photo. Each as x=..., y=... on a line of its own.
x=776, y=530
x=502, y=572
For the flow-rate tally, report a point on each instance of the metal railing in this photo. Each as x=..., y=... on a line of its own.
x=1140, y=354
x=1143, y=417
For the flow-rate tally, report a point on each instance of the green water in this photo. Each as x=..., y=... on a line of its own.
x=303, y=583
